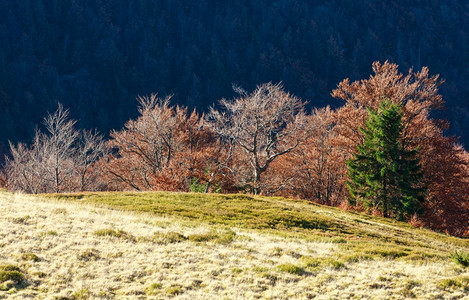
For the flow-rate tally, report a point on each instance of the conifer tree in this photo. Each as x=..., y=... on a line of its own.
x=383, y=175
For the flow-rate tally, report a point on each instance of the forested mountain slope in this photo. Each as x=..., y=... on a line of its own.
x=96, y=56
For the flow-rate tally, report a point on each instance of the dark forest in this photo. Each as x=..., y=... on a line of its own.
x=96, y=57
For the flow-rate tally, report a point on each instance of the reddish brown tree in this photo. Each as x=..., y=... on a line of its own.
x=3, y=181
x=315, y=169
x=443, y=161
x=165, y=148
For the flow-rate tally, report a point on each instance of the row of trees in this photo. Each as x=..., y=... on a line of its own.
x=265, y=142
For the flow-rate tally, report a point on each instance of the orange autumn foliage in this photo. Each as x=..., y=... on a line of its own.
x=168, y=148
x=165, y=148
x=315, y=170
x=3, y=182
x=444, y=162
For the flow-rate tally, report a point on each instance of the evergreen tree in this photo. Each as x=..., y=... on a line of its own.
x=383, y=175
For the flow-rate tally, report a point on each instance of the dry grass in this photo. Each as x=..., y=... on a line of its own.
x=81, y=251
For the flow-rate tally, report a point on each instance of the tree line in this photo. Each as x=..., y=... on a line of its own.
x=381, y=152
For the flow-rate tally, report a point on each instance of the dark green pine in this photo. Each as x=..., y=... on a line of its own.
x=383, y=175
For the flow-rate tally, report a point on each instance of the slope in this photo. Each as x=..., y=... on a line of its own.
x=194, y=246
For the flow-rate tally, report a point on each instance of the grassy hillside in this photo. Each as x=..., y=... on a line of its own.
x=197, y=246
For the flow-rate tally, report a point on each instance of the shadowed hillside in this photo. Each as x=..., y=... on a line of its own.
x=96, y=57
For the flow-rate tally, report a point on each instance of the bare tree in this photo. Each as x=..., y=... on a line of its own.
x=146, y=145
x=91, y=148
x=20, y=169
x=266, y=124
x=61, y=137
x=25, y=167
x=59, y=160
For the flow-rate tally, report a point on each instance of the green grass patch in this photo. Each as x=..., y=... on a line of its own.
x=154, y=289
x=82, y=294
x=174, y=290
x=290, y=268
x=387, y=253
x=30, y=257
x=314, y=263
x=167, y=238
x=359, y=236
x=453, y=283
x=311, y=262
x=202, y=237
x=339, y=240
x=225, y=237
x=118, y=234
x=236, y=270
x=259, y=270
x=237, y=210
x=10, y=277
x=461, y=258
x=334, y=264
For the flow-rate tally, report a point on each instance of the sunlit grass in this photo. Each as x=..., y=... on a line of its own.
x=198, y=246
x=378, y=237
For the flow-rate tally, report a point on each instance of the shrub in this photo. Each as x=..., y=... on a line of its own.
x=219, y=238
x=197, y=187
x=277, y=251
x=15, y=276
x=21, y=220
x=406, y=291
x=62, y=211
x=30, y=256
x=9, y=268
x=356, y=257
x=461, y=258
x=387, y=253
x=9, y=276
